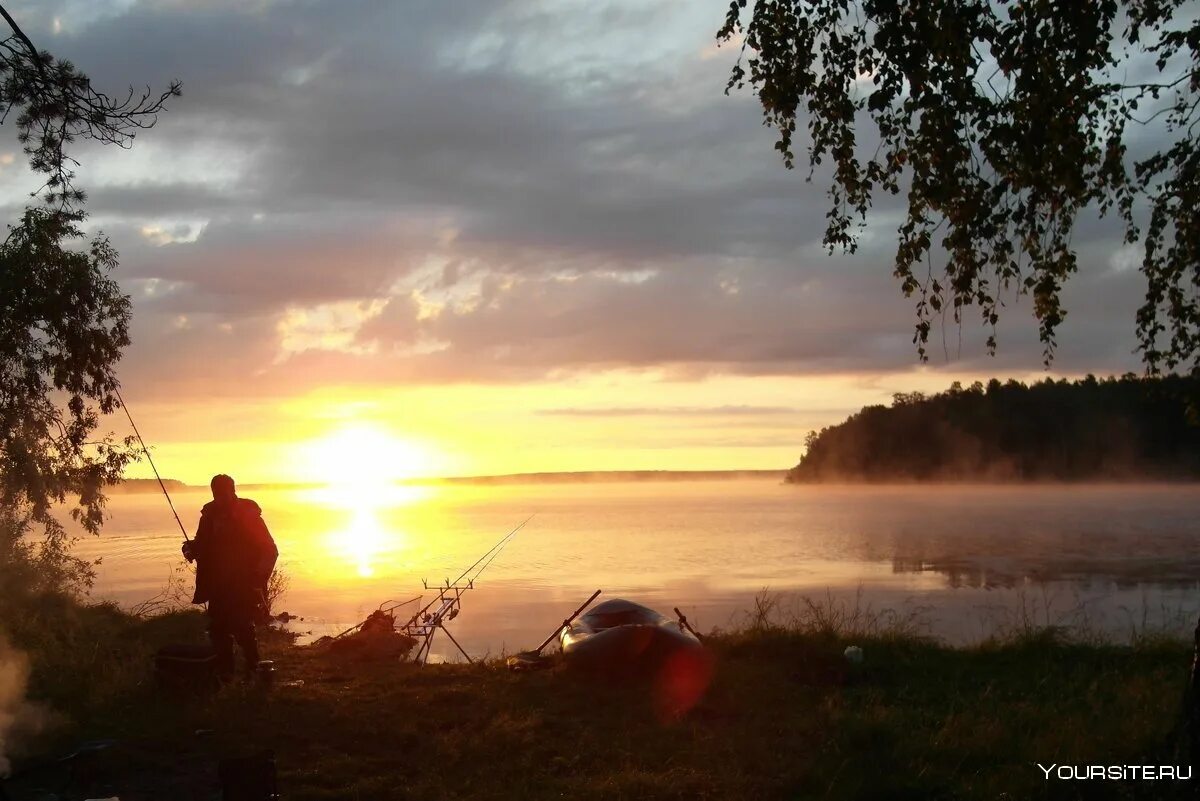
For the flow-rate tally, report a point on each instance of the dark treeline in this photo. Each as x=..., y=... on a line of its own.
x=1113, y=428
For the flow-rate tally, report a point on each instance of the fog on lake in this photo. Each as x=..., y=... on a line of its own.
x=963, y=561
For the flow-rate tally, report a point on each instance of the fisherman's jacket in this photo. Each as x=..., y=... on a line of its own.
x=234, y=552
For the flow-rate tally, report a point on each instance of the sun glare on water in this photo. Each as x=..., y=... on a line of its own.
x=359, y=466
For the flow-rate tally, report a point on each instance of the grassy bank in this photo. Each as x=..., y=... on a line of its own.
x=786, y=716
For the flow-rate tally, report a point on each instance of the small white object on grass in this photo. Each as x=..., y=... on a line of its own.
x=854, y=654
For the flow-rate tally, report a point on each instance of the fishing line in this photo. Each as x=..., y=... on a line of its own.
x=150, y=459
x=493, y=556
x=499, y=545
x=491, y=552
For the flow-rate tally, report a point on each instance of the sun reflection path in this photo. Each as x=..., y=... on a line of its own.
x=363, y=540
x=367, y=541
x=361, y=464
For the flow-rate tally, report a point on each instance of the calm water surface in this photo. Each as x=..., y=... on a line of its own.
x=964, y=560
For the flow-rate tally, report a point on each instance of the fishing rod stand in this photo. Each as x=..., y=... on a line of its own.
x=456, y=645
x=433, y=618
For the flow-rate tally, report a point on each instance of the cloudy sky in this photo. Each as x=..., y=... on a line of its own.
x=487, y=237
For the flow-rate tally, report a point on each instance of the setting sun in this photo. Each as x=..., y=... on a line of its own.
x=366, y=455
x=360, y=465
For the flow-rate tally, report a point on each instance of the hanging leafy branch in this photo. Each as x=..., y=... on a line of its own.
x=1001, y=122
x=57, y=105
x=64, y=321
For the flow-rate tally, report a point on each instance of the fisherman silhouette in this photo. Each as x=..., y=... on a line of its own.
x=234, y=555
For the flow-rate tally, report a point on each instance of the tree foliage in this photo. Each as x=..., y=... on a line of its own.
x=63, y=320
x=1115, y=428
x=1001, y=122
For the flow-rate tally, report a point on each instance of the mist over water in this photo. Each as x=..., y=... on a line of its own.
x=967, y=560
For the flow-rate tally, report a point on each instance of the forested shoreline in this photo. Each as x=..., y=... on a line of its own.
x=1125, y=428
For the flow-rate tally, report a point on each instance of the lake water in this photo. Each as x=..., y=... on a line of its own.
x=963, y=560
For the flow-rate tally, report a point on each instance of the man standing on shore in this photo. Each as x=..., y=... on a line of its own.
x=234, y=555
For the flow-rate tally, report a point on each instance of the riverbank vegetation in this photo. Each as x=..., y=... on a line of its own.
x=1126, y=428
x=786, y=716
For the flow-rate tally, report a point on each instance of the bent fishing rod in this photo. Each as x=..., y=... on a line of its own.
x=150, y=459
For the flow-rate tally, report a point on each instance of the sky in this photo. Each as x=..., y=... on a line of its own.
x=454, y=238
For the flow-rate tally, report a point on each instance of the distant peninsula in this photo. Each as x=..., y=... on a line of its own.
x=606, y=476
x=1127, y=428
x=136, y=485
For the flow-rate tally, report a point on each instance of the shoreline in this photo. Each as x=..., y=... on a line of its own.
x=786, y=715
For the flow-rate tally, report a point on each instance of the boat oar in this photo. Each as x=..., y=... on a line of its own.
x=683, y=621
x=529, y=659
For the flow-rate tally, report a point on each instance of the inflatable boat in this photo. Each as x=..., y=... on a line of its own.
x=620, y=635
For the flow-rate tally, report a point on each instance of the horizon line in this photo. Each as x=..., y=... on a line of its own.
x=498, y=477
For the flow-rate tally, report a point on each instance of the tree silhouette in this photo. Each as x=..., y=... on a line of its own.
x=1001, y=122
x=1116, y=428
x=63, y=321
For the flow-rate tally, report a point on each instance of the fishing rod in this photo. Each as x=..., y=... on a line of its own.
x=499, y=546
x=427, y=620
x=493, y=552
x=150, y=459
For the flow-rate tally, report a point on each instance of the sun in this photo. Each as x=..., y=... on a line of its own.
x=364, y=455
x=360, y=465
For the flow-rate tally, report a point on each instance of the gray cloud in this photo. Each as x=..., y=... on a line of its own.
x=568, y=186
